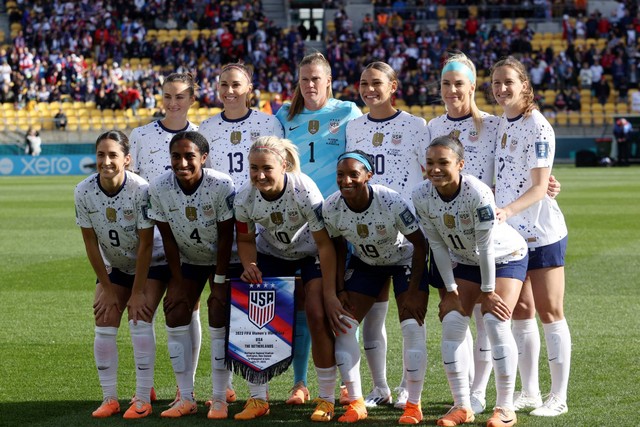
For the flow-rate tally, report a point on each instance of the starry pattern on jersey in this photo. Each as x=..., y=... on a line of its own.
x=525, y=144
x=230, y=140
x=283, y=227
x=150, y=155
x=114, y=218
x=378, y=233
x=320, y=138
x=193, y=217
x=456, y=221
x=398, y=145
x=479, y=147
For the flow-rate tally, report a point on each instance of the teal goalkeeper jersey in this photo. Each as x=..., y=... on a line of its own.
x=320, y=138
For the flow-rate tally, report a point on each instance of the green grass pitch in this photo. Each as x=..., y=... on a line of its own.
x=47, y=372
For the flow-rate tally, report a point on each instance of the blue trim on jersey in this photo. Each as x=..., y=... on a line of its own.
x=245, y=117
x=386, y=119
x=459, y=119
x=105, y=191
x=166, y=129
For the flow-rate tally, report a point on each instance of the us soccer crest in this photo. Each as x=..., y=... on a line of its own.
x=334, y=126
x=503, y=142
x=207, y=210
x=293, y=216
x=191, y=213
x=377, y=139
x=449, y=220
x=314, y=126
x=363, y=230
x=473, y=135
x=235, y=137
x=277, y=218
x=128, y=214
x=262, y=307
x=396, y=138
x=254, y=135
x=111, y=215
x=381, y=229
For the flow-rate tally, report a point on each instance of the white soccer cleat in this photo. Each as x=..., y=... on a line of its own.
x=552, y=407
x=403, y=396
x=478, y=402
x=378, y=396
x=522, y=400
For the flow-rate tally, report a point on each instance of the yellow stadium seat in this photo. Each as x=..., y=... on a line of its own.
x=507, y=23
x=586, y=118
x=562, y=119
x=574, y=119
x=622, y=108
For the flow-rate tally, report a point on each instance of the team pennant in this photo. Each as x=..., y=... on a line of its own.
x=261, y=328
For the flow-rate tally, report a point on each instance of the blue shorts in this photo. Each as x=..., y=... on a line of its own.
x=548, y=256
x=435, y=279
x=369, y=280
x=198, y=273
x=119, y=278
x=271, y=266
x=510, y=270
x=160, y=272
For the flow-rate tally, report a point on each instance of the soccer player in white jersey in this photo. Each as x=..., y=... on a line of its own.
x=524, y=157
x=193, y=208
x=230, y=135
x=457, y=213
x=315, y=122
x=387, y=243
x=280, y=231
x=111, y=209
x=477, y=131
x=398, y=142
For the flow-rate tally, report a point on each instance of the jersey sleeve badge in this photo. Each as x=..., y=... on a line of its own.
x=542, y=149
x=485, y=214
x=407, y=217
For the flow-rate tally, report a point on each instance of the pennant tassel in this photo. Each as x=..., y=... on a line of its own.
x=258, y=377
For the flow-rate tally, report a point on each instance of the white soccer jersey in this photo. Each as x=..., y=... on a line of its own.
x=150, y=155
x=283, y=227
x=479, y=148
x=456, y=222
x=377, y=233
x=114, y=218
x=522, y=145
x=193, y=217
x=398, y=145
x=230, y=140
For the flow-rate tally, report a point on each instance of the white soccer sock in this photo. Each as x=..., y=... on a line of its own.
x=558, y=339
x=220, y=375
x=504, y=353
x=414, y=339
x=348, y=359
x=105, y=352
x=456, y=356
x=195, y=329
x=258, y=391
x=527, y=337
x=179, y=344
x=144, y=352
x=481, y=355
x=468, y=341
x=374, y=337
x=327, y=383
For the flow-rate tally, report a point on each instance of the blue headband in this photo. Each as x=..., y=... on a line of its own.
x=463, y=68
x=359, y=157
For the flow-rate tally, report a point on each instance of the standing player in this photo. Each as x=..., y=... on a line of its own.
x=111, y=209
x=524, y=158
x=477, y=131
x=387, y=243
x=398, y=143
x=280, y=231
x=193, y=208
x=230, y=135
x=457, y=213
x=315, y=122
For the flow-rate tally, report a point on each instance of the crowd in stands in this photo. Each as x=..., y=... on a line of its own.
x=79, y=50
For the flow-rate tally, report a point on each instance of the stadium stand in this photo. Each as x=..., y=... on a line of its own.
x=97, y=60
